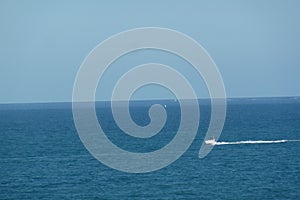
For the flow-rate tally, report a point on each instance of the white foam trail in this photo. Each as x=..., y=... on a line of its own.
x=256, y=142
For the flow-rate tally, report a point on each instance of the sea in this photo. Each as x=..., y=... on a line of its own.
x=256, y=157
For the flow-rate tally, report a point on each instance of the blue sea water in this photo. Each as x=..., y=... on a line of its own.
x=41, y=155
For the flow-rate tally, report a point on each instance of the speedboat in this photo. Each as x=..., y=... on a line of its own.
x=210, y=141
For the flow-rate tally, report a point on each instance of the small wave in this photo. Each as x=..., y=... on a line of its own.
x=256, y=142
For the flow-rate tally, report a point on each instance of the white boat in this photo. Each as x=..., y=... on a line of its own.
x=210, y=141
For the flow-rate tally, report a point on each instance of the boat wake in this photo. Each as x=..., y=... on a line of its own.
x=256, y=142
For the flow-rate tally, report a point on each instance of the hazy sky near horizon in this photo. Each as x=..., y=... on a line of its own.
x=255, y=44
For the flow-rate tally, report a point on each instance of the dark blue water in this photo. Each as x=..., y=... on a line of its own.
x=41, y=155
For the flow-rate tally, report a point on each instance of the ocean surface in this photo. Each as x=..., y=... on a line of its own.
x=256, y=157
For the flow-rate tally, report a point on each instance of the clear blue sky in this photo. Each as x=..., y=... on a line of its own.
x=255, y=44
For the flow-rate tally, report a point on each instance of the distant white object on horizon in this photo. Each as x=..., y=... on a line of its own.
x=210, y=142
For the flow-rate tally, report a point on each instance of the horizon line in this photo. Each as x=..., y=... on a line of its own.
x=154, y=99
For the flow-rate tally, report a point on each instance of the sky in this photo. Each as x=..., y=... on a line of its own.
x=255, y=44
